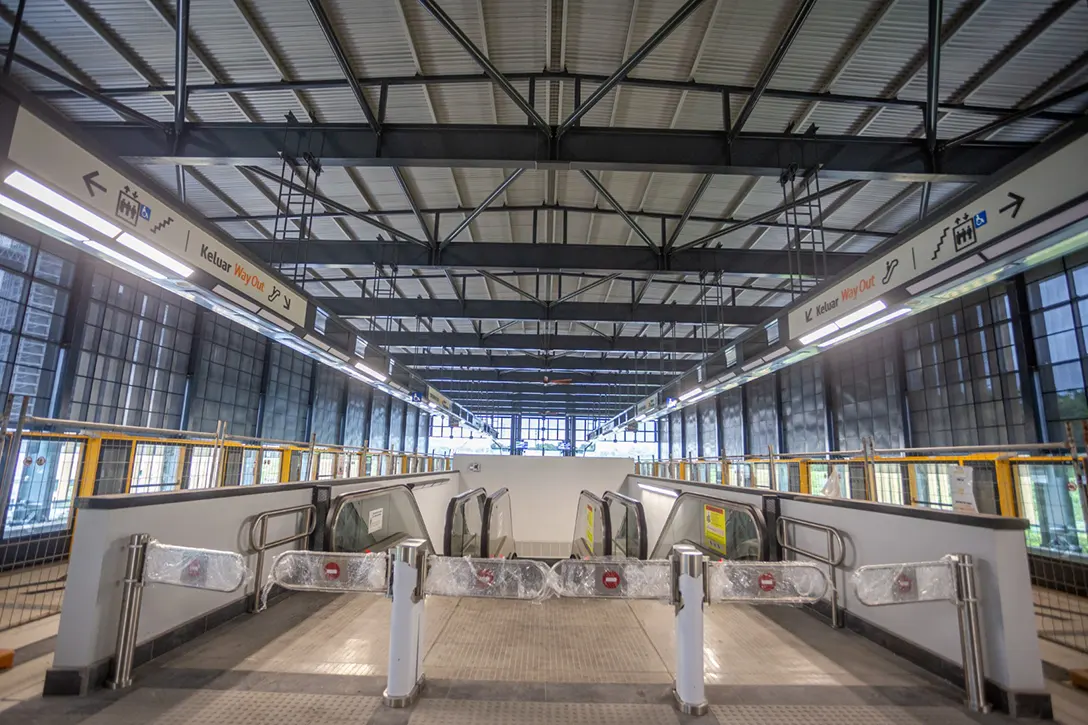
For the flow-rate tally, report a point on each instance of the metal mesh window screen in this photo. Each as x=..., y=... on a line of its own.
x=762, y=415
x=288, y=397
x=328, y=400
x=676, y=435
x=396, y=425
x=411, y=428
x=804, y=415
x=708, y=428
x=379, y=419
x=357, y=413
x=1059, y=332
x=227, y=383
x=731, y=415
x=690, y=417
x=134, y=353
x=865, y=392
x=961, y=370
x=424, y=440
x=34, y=290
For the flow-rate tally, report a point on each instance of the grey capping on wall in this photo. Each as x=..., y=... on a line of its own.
x=130, y=500
x=985, y=521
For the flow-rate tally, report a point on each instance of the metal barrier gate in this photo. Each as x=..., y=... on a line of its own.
x=687, y=580
x=150, y=562
x=952, y=579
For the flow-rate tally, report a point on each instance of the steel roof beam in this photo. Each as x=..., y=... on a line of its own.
x=772, y=66
x=570, y=208
x=578, y=343
x=485, y=63
x=589, y=78
x=552, y=365
x=470, y=390
x=628, y=65
x=514, y=255
x=337, y=48
x=564, y=311
x=486, y=377
x=514, y=146
x=491, y=198
x=604, y=192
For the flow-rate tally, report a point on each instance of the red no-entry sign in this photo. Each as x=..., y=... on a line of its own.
x=766, y=581
x=485, y=577
x=194, y=568
x=332, y=570
x=610, y=579
x=904, y=584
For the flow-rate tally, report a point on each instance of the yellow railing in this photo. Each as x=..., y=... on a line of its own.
x=1046, y=489
x=48, y=464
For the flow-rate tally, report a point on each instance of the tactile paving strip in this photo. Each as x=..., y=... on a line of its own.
x=460, y=712
x=837, y=715
x=208, y=707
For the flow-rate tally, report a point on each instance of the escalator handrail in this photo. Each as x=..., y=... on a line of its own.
x=489, y=504
x=755, y=513
x=606, y=519
x=640, y=520
x=343, y=500
x=451, y=509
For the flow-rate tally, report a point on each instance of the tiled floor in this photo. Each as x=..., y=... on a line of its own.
x=322, y=659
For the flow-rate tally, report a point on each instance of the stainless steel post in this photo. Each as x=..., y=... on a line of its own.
x=836, y=613
x=262, y=538
x=974, y=673
x=131, y=595
x=11, y=462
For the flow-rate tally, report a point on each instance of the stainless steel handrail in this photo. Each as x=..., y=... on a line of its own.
x=632, y=504
x=342, y=501
x=451, y=509
x=755, y=513
x=833, y=537
x=258, y=533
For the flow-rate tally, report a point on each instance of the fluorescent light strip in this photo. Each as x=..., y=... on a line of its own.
x=141, y=247
x=371, y=372
x=45, y=221
x=857, y=315
x=131, y=263
x=44, y=194
x=658, y=489
x=753, y=364
x=316, y=341
x=945, y=274
x=236, y=298
x=867, y=326
x=276, y=320
x=690, y=394
x=339, y=354
x=818, y=334
x=767, y=357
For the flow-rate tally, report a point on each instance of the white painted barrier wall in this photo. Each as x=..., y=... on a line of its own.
x=883, y=534
x=543, y=493
x=211, y=519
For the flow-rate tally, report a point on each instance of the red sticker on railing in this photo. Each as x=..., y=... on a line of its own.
x=766, y=581
x=610, y=579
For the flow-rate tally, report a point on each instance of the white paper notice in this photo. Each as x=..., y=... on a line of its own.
x=961, y=479
x=374, y=521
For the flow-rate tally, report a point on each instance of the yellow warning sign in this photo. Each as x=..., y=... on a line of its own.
x=589, y=528
x=714, y=528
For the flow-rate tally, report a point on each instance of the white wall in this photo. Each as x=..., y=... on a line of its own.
x=88, y=624
x=543, y=491
x=880, y=534
x=432, y=502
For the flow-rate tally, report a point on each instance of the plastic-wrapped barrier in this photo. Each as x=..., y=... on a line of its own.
x=783, y=582
x=319, y=571
x=490, y=578
x=923, y=581
x=613, y=578
x=184, y=566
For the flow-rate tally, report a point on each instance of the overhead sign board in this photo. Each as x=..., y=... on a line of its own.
x=53, y=158
x=438, y=399
x=646, y=405
x=1055, y=180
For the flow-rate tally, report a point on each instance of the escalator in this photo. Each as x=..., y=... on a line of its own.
x=719, y=529
x=374, y=520
x=628, y=521
x=480, y=526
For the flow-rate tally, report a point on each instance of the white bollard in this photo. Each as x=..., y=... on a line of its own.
x=689, y=594
x=407, y=573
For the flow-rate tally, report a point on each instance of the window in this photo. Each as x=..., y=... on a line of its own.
x=1059, y=330
x=34, y=289
x=228, y=377
x=288, y=399
x=134, y=353
x=961, y=363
